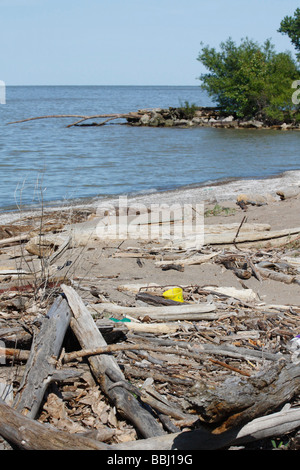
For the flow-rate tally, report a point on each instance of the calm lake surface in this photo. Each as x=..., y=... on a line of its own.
x=44, y=160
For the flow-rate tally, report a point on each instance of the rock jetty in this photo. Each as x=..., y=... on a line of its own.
x=198, y=116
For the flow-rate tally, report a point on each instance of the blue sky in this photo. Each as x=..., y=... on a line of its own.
x=126, y=42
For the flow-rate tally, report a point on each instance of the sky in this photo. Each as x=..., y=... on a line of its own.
x=126, y=42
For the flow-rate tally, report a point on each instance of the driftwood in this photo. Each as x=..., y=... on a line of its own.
x=245, y=239
x=235, y=403
x=152, y=299
x=183, y=312
x=89, y=336
x=14, y=240
x=40, y=368
x=276, y=276
x=16, y=336
x=82, y=118
x=147, y=379
x=28, y=434
x=288, y=193
x=201, y=439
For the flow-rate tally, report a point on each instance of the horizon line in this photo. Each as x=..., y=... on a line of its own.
x=133, y=85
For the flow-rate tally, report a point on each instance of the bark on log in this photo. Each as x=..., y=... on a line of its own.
x=40, y=367
x=90, y=337
x=236, y=401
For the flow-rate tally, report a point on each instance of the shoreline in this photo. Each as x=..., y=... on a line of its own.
x=209, y=192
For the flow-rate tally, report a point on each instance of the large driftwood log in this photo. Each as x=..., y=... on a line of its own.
x=28, y=434
x=90, y=337
x=40, y=367
x=264, y=427
x=244, y=239
x=276, y=276
x=236, y=401
x=204, y=311
x=109, y=117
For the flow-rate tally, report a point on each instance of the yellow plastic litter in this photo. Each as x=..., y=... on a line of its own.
x=174, y=294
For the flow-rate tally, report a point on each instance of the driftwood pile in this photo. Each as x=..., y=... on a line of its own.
x=219, y=370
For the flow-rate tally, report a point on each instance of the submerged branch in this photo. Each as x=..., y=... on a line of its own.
x=109, y=117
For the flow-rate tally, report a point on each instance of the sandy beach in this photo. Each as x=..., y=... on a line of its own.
x=96, y=261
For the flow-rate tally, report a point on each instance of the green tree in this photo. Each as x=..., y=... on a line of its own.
x=290, y=25
x=250, y=80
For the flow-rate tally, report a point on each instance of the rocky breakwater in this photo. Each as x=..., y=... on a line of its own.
x=198, y=116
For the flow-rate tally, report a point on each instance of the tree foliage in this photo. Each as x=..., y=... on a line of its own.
x=290, y=25
x=250, y=80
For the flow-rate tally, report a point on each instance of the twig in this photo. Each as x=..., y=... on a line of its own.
x=227, y=366
x=238, y=231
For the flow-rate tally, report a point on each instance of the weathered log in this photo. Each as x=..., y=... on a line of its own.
x=40, y=367
x=276, y=424
x=16, y=336
x=28, y=434
x=204, y=311
x=211, y=349
x=199, y=259
x=227, y=238
x=288, y=192
x=236, y=401
x=14, y=240
x=90, y=337
x=152, y=299
x=15, y=355
x=275, y=275
x=155, y=328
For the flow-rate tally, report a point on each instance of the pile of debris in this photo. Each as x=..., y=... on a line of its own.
x=219, y=369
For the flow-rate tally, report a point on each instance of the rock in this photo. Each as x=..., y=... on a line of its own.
x=145, y=119
x=181, y=122
x=252, y=123
x=156, y=120
x=197, y=120
x=228, y=119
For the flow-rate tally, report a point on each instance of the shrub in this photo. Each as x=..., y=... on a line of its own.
x=250, y=80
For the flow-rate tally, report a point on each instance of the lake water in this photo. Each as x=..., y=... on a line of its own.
x=45, y=160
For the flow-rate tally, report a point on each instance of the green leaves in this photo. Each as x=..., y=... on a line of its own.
x=291, y=26
x=250, y=80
